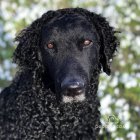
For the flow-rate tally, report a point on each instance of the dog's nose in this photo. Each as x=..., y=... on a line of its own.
x=72, y=88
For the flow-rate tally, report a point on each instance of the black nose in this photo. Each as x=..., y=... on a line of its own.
x=72, y=87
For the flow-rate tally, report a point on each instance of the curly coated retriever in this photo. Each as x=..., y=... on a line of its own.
x=53, y=95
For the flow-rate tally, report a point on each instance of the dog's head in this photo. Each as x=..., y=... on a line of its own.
x=69, y=44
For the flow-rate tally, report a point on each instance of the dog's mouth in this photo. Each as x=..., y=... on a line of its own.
x=71, y=99
x=73, y=95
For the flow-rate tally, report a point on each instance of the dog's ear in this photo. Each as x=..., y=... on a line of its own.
x=107, y=40
x=26, y=53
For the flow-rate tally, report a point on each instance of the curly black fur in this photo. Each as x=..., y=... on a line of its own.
x=30, y=110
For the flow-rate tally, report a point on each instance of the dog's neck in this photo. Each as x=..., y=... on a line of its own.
x=82, y=118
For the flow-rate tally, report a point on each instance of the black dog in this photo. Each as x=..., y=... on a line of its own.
x=53, y=96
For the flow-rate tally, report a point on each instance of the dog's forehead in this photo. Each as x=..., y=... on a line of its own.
x=70, y=25
x=68, y=21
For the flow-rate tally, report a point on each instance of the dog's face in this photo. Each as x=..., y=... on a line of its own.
x=70, y=52
x=72, y=42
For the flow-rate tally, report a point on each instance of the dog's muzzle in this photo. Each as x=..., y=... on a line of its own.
x=73, y=90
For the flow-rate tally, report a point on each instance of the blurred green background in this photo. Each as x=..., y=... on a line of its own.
x=119, y=93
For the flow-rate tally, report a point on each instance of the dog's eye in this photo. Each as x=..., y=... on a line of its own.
x=87, y=42
x=50, y=45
